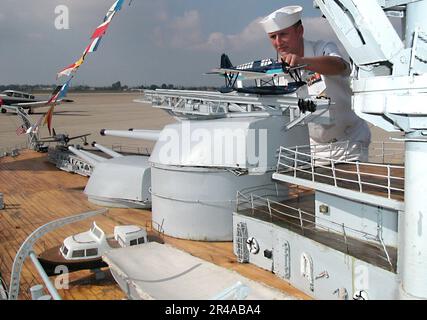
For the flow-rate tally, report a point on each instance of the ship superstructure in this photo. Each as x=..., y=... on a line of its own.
x=357, y=230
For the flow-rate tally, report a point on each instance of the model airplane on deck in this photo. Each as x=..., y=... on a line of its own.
x=64, y=138
x=264, y=72
x=22, y=99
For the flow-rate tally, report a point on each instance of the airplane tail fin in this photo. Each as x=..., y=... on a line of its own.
x=54, y=95
x=225, y=62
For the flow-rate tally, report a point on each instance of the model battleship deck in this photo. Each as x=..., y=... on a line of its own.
x=331, y=225
x=35, y=192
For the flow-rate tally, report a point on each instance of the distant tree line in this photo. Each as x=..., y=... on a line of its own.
x=116, y=86
x=173, y=87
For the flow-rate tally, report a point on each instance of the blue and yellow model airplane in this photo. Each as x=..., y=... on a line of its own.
x=263, y=71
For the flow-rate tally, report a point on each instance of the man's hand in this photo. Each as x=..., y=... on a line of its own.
x=326, y=65
x=291, y=59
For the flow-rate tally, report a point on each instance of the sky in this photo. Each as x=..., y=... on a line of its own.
x=148, y=42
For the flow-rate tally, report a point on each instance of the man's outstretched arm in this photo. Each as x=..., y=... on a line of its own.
x=326, y=65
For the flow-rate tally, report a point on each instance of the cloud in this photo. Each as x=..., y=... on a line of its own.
x=180, y=32
x=186, y=32
x=138, y=46
x=248, y=38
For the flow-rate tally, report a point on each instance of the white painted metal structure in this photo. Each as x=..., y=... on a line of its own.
x=390, y=89
x=3, y=292
x=65, y=160
x=222, y=143
x=202, y=105
x=132, y=181
x=131, y=176
x=26, y=250
x=161, y=272
x=94, y=243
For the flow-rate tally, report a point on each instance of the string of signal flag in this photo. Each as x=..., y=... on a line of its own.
x=61, y=90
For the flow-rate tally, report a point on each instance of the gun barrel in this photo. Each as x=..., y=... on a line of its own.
x=152, y=135
x=106, y=150
x=86, y=156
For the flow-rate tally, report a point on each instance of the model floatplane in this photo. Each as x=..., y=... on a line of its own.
x=31, y=128
x=265, y=73
x=63, y=138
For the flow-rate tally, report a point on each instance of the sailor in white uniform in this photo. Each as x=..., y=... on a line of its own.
x=348, y=137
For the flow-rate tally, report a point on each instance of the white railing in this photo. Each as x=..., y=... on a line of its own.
x=304, y=220
x=313, y=162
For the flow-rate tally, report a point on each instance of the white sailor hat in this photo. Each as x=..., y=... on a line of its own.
x=281, y=19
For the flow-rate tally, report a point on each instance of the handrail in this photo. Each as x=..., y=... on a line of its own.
x=302, y=221
x=293, y=160
x=253, y=201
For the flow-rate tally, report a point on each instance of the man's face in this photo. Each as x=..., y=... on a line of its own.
x=287, y=40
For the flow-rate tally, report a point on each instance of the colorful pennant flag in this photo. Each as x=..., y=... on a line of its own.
x=96, y=39
x=48, y=118
x=73, y=67
x=59, y=93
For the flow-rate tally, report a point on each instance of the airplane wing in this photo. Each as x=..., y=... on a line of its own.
x=245, y=75
x=32, y=105
x=47, y=140
x=80, y=136
x=236, y=71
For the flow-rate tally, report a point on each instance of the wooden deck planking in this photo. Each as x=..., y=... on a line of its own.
x=39, y=203
x=35, y=193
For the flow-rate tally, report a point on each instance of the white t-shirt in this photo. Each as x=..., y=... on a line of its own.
x=349, y=133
